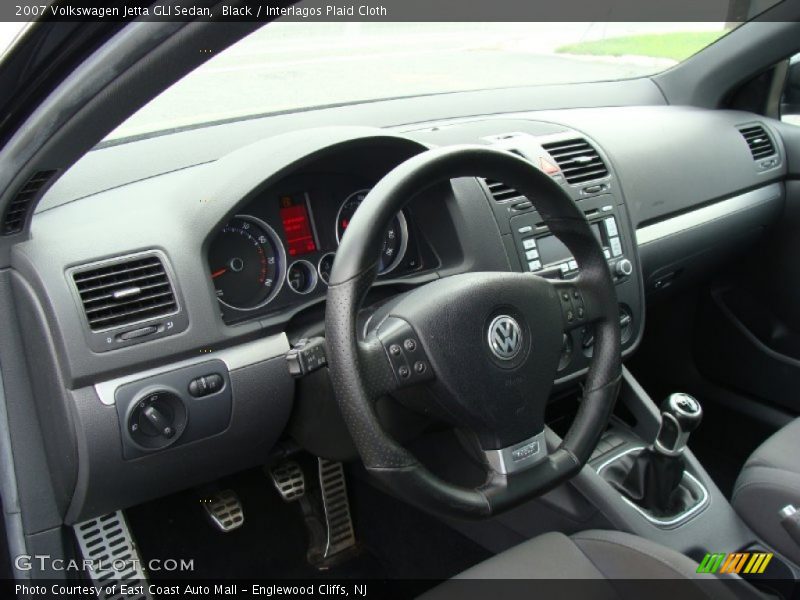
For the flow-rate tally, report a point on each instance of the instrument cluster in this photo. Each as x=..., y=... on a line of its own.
x=280, y=249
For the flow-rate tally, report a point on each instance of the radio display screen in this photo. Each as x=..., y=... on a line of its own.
x=552, y=250
x=297, y=225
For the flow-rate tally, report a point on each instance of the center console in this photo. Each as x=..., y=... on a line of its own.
x=531, y=247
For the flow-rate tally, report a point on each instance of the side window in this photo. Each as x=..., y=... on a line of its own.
x=790, y=102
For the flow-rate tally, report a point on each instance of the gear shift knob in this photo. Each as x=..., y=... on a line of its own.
x=680, y=416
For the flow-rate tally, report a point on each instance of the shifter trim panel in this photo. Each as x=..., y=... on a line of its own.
x=664, y=523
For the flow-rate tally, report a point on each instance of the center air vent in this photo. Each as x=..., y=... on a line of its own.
x=501, y=192
x=125, y=291
x=578, y=160
x=758, y=141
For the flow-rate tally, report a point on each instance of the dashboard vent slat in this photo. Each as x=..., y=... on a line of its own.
x=577, y=159
x=758, y=140
x=124, y=292
x=17, y=210
x=501, y=192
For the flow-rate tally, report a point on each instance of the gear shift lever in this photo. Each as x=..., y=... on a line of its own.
x=653, y=477
x=680, y=416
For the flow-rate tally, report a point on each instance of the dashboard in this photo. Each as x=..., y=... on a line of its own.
x=199, y=277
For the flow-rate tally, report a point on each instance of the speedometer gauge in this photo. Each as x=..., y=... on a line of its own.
x=395, y=240
x=247, y=263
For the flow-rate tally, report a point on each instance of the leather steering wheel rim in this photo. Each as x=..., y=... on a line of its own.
x=361, y=372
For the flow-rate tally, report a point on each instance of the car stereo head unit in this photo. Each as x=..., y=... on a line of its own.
x=543, y=253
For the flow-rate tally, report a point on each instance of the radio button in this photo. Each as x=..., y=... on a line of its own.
x=611, y=226
x=525, y=229
x=534, y=265
x=532, y=254
x=616, y=247
x=607, y=253
x=529, y=243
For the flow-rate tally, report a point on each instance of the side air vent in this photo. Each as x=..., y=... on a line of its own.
x=577, y=159
x=758, y=141
x=125, y=291
x=17, y=210
x=501, y=192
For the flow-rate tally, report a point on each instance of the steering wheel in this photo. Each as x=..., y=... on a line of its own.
x=487, y=345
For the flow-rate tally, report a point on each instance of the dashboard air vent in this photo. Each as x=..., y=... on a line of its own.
x=758, y=141
x=125, y=291
x=17, y=210
x=501, y=192
x=577, y=159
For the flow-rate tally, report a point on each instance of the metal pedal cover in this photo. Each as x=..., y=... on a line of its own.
x=225, y=510
x=108, y=543
x=289, y=480
x=339, y=523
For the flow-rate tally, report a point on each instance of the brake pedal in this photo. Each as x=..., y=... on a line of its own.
x=338, y=521
x=108, y=543
x=289, y=480
x=225, y=510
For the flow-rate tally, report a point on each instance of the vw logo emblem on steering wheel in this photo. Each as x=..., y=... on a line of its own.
x=505, y=337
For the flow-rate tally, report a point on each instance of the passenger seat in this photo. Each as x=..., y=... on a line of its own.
x=770, y=481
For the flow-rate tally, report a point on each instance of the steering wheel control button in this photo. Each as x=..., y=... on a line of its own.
x=405, y=353
x=572, y=306
x=306, y=356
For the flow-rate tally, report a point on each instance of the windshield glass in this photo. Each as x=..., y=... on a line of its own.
x=288, y=66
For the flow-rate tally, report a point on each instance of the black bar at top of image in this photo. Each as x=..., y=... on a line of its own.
x=399, y=10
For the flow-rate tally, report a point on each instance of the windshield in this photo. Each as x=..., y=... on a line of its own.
x=288, y=66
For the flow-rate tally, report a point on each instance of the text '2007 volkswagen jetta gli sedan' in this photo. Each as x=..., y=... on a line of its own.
x=426, y=300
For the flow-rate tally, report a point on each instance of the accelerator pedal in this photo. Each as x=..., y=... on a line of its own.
x=225, y=511
x=107, y=541
x=341, y=535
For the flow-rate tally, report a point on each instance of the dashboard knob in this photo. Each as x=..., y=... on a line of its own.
x=624, y=267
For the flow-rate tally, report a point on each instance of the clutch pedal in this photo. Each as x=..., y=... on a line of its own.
x=225, y=510
x=108, y=543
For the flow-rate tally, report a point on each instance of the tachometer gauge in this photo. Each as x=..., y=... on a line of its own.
x=247, y=263
x=395, y=240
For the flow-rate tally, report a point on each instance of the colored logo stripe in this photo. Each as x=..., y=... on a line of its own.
x=736, y=562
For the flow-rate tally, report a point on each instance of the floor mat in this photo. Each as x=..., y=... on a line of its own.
x=396, y=540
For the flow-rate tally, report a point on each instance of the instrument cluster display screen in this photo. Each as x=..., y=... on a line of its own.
x=297, y=225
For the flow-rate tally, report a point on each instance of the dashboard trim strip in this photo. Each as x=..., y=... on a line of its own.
x=706, y=214
x=235, y=357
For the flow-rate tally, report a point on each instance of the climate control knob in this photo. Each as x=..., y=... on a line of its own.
x=624, y=267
